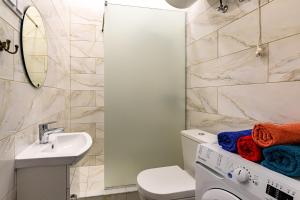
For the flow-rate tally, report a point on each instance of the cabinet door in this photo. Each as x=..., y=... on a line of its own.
x=42, y=183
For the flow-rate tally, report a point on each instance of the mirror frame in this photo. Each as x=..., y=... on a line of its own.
x=22, y=49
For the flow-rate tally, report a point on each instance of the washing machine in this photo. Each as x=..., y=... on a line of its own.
x=221, y=175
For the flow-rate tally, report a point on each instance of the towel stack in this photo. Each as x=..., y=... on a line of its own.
x=275, y=146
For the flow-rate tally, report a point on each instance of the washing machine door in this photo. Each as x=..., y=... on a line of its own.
x=219, y=194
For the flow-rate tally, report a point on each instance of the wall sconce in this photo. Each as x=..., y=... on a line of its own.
x=181, y=3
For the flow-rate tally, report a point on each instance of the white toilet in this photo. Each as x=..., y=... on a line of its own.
x=170, y=183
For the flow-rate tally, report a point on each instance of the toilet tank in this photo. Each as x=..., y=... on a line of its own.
x=190, y=140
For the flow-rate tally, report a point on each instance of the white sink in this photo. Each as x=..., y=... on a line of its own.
x=62, y=149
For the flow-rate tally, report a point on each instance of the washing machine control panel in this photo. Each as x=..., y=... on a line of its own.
x=249, y=176
x=241, y=175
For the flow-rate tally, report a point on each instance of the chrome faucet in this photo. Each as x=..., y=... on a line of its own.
x=44, y=132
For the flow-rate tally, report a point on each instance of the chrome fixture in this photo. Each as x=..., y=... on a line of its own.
x=73, y=197
x=222, y=8
x=44, y=132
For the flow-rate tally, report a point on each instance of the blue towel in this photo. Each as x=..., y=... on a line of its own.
x=284, y=159
x=228, y=140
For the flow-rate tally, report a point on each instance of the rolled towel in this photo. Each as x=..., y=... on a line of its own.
x=267, y=134
x=248, y=149
x=228, y=140
x=284, y=159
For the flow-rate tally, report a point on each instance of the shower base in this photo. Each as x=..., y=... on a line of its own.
x=88, y=184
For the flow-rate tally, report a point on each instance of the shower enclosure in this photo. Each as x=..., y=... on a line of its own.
x=144, y=90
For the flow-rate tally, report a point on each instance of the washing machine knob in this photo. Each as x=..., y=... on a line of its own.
x=241, y=175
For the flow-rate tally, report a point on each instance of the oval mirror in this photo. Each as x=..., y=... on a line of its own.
x=34, y=47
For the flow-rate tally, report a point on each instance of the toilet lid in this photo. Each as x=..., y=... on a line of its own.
x=166, y=183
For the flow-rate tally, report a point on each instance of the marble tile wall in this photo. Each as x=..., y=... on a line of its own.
x=87, y=75
x=23, y=107
x=228, y=87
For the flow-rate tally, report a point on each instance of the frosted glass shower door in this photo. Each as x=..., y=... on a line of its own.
x=144, y=90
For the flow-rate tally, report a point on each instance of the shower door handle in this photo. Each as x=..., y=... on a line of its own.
x=103, y=18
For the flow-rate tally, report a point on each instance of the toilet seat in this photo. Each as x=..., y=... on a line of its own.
x=166, y=183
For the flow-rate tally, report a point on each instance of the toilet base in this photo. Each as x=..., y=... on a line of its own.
x=144, y=198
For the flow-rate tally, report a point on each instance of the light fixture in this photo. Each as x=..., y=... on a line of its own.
x=181, y=3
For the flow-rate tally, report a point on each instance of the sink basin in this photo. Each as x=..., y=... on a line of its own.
x=62, y=149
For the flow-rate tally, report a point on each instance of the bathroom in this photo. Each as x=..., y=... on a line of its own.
x=196, y=64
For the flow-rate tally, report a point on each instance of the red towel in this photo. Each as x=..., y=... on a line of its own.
x=267, y=134
x=248, y=149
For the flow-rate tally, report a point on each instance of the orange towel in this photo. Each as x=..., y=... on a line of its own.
x=267, y=134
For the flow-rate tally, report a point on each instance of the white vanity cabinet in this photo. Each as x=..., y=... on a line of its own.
x=43, y=169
